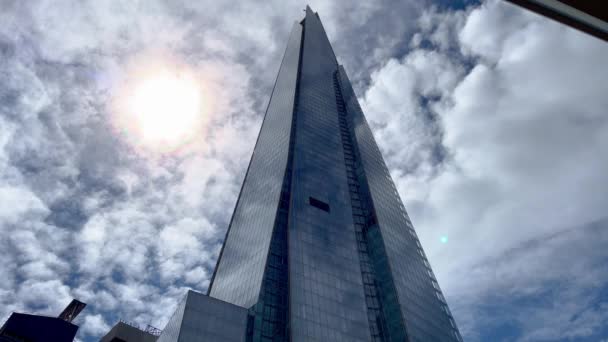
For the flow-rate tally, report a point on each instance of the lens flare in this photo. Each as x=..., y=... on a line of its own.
x=165, y=107
x=161, y=107
x=444, y=239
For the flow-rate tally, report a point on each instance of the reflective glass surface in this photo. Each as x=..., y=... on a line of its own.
x=399, y=257
x=212, y=320
x=320, y=247
x=269, y=321
x=171, y=331
x=376, y=290
x=239, y=272
x=202, y=318
x=327, y=301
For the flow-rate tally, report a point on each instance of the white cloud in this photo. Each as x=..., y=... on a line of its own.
x=22, y=202
x=95, y=325
x=53, y=295
x=183, y=249
x=405, y=128
x=92, y=217
x=119, y=240
x=439, y=28
x=103, y=221
x=197, y=275
x=489, y=26
x=523, y=132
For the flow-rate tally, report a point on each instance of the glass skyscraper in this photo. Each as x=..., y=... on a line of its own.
x=320, y=247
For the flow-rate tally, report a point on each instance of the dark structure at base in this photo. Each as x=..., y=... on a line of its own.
x=123, y=332
x=22, y=327
x=202, y=318
x=31, y=328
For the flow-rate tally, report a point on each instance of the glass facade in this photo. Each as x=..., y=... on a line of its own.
x=320, y=246
x=171, y=331
x=363, y=220
x=238, y=275
x=327, y=301
x=398, y=254
x=201, y=318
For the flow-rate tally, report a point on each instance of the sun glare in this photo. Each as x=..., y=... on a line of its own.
x=162, y=108
x=165, y=107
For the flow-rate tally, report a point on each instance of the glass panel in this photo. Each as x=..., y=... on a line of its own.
x=327, y=300
x=238, y=275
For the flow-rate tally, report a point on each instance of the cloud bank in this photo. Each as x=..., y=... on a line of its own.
x=492, y=121
x=494, y=126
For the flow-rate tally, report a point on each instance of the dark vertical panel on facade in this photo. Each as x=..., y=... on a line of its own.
x=327, y=301
x=241, y=265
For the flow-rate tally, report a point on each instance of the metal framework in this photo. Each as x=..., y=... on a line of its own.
x=590, y=16
x=148, y=329
x=72, y=310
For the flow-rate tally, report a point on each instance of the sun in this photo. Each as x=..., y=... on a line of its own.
x=161, y=108
x=165, y=107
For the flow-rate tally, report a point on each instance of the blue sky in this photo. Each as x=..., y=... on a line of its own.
x=492, y=121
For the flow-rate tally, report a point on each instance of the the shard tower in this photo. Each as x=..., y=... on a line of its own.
x=320, y=247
